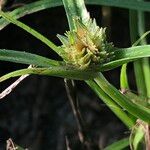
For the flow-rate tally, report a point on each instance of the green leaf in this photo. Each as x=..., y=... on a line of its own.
x=129, y=4
x=119, y=145
x=125, y=55
x=123, y=78
x=26, y=58
x=121, y=56
x=31, y=31
x=136, y=137
x=57, y=71
x=146, y=61
x=135, y=109
x=73, y=9
x=45, y=4
x=29, y=9
x=138, y=71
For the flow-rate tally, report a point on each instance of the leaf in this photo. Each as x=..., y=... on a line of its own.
x=26, y=58
x=118, y=145
x=33, y=32
x=29, y=9
x=45, y=4
x=125, y=55
x=129, y=4
x=136, y=137
x=135, y=109
x=57, y=71
x=73, y=9
x=122, y=56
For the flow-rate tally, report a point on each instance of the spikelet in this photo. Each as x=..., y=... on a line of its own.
x=86, y=45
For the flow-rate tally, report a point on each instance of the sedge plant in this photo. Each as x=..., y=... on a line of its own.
x=86, y=54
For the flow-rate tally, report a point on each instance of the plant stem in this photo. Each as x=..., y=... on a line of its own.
x=137, y=64
x=145, y=61
x=75, y=8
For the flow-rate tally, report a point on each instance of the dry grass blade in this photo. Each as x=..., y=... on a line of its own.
x=68, y=143
x=10, y=145
x=10, y=88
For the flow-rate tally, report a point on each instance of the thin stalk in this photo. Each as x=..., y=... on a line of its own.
x=118, y=111
x=145, y=61
x=139, y=76
x=75, y=8
x=70, y=12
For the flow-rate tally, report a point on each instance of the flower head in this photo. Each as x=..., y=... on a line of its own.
x=86, y=45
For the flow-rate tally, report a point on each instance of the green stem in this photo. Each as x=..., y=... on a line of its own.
x=75, y=8
x=137, y=64
x=146, y=71
x=70, y=12
x=145, y=61
x=118, y=111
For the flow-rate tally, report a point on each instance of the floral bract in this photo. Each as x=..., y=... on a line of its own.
x=86, y=45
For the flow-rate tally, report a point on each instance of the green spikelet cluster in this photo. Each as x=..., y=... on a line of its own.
x=86, y=45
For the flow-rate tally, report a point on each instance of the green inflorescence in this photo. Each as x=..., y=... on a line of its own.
x=86, y=45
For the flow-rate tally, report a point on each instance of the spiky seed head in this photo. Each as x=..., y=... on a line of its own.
x=86, y=45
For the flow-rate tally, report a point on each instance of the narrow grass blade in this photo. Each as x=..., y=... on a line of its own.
x=145, y=61
x=29, y=9
x=141, y=38
x=135, y=109
x=129, y=4
x=126, y=55
x=138, y=71
x=62, y=71
x=73, y=9
x=45, y=4
x=136, y=137
x=119, y=145
x=31, y=31
x=26, y=58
